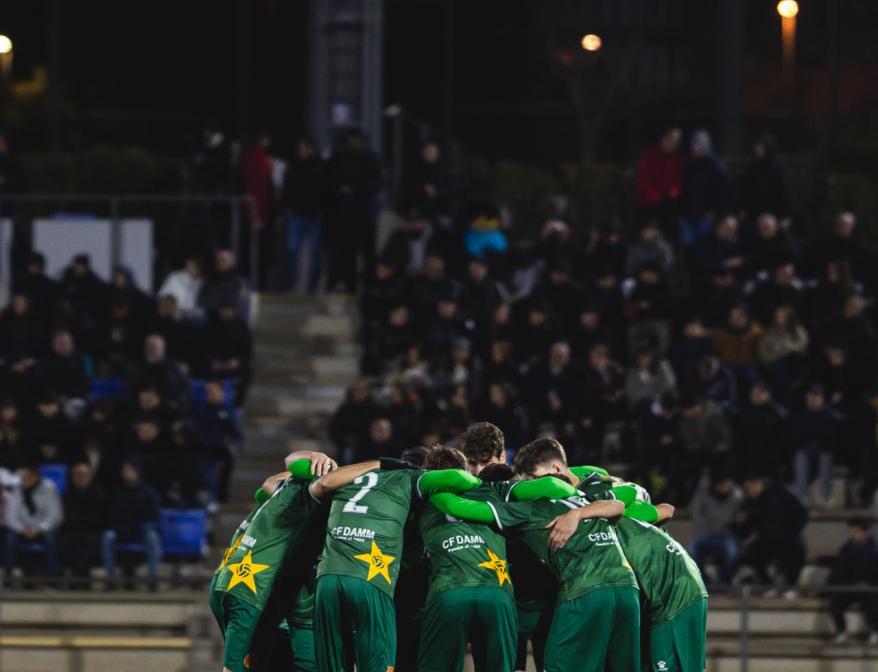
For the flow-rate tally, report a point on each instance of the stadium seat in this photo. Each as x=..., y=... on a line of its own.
x=183, y=533
x=107, y=387
x=57, y=474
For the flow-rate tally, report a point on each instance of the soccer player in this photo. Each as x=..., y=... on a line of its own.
x=596, y=625
x=483, y=443
x=470, y=597
x=673, y=593
x=354, y=615
x=289, y=519
x=546, y=457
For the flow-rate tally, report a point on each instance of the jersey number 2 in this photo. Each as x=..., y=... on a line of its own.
x=371, y=480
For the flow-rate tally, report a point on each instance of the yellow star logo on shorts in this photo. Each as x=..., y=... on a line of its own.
x=377, y=561
x=244, y=571
x=496, y=564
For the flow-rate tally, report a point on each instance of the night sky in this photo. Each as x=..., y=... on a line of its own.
x=153, y=74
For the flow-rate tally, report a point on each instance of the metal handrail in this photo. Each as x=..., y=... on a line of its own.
x=235, y=202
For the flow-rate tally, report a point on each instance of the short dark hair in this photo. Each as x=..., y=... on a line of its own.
x=445, y=457
x=417, y=455
x=860, y=523
x=482, y=441
x=496, y=472
x=537, y=452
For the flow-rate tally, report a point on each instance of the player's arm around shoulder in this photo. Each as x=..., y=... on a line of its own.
x=318, y=463
x=446, y=480
x=328, y=483
x=564, y=526
x=547, y=487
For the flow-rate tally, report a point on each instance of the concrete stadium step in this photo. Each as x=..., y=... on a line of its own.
x=801, y=617
x=94, y=609
x=84, y=654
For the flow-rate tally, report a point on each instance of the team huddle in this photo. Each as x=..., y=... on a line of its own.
x=570, y=560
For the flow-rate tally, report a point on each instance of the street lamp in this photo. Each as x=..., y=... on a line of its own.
x=788, y=9
x=5, y=58
x=591, y=42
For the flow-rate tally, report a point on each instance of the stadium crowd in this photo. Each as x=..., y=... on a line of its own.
x=115, y=404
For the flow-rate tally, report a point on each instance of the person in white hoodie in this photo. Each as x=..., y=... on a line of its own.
x=33, y=515
x=184, y=285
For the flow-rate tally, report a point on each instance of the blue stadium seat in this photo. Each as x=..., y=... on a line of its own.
x=107, y=387
x=199, y=396
x=183, y=533
x=57, y=473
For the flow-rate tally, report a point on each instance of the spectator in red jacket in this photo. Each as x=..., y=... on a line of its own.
x=659, y=175
x=258, y=186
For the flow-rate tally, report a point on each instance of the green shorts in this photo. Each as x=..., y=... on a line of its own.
x=533, y=627
x=302, y=641
x=678, y=644
x=484, y=616
x=596, y=632
x=240, y=621
x=354, y=622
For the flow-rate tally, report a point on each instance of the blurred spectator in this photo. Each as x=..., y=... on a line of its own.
x=659, y=177
x=303, y=197
x=648, y=379
x=704, y=431
x=845, y=245
x=429, y=185
x=120, y=337
x=484, y=235
x=83, y=289
x=770, y=523
x=66, y=371
x=650, y=249
x=606, y=251
x=156, y=370
x=760, y=433
x=602, y=399
x=185, y=286
x=349, y=425
x=856, y=564
x=220, y=433
x=650, y=311
x=864, y=434
x=551, y=390
x=224, y=285
x=720, y=250
x=380, y=442
x=228, y=348
x=501, y=410
x=771, y=247
x=782, y=348
x=180, y=335
x=33, y=515
x=133, y=519
x=783, y=289
x=50, y=437
x=42, y=291
x=258, y=186
x=714, y=508
x=704, y=190
x=764, y=184
x=407, y=247
x=659, y=437
x=813, y=433
x=737, y=341
x=85, y=513
x=21, y=340
x=11, y=457
x=353, y=180
x=716, y=382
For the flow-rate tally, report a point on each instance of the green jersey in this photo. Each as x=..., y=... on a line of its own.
x=464, y=554
x=235, y=540
x=364, y=535
x=669, y=579
x=592, y=557
x=281, y=523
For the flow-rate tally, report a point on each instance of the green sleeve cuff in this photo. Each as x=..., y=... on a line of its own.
x=642, y=511
x=300, y=468
x=465, y=509
x=542, y=488
x=627, y=494
x=585, y=470
x=261, y=496
x=447, y=480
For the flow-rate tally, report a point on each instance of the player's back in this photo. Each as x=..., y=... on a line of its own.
x=592, y=557
x=364, y=536
x=669, y=579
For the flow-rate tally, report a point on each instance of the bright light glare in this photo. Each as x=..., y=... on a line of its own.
x=788, y=8
x=591, y=42
x=5, y=44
